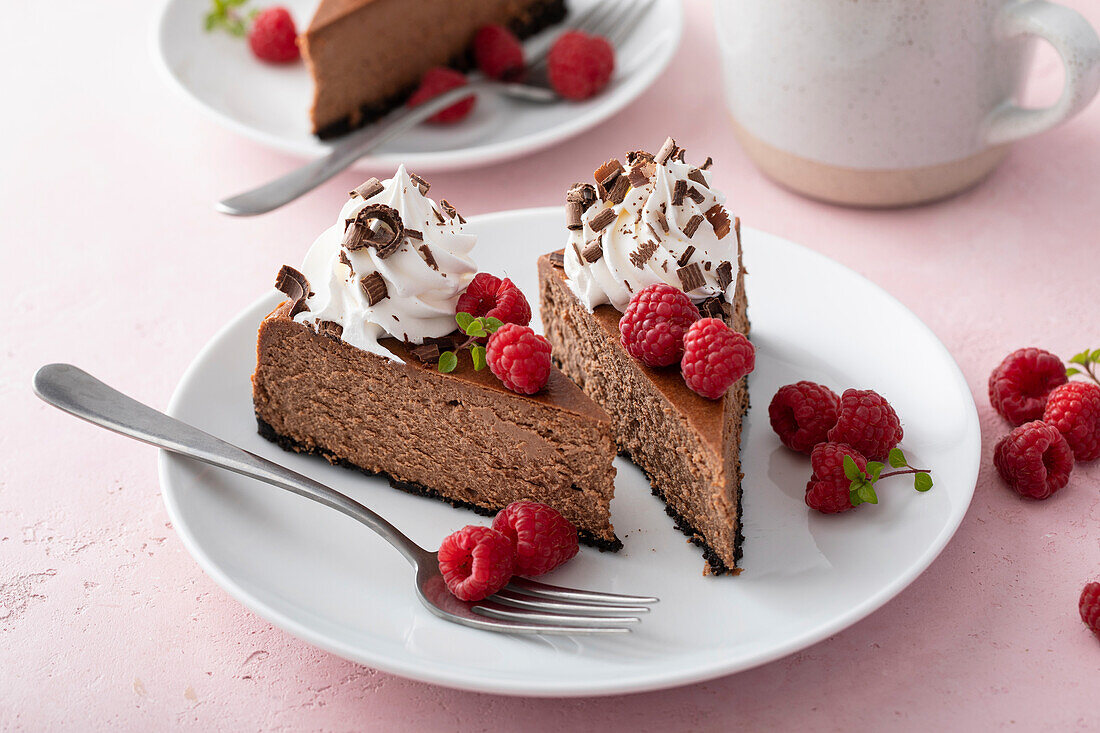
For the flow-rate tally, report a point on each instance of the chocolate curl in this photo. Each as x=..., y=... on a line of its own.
x=294, y=285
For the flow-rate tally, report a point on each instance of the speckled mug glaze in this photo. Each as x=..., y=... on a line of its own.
x=892, y=102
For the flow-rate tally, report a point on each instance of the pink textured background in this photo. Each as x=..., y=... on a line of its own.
x=114, y=259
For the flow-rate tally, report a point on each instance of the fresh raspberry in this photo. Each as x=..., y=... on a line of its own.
x=1089, y=605
x=715, y=356
x=491, y=297
x=580, y=65
x=1034, y=459
x=829, y=490
x=1019, y=386
x=543, y=538
x=802, y=414
x=519, y=357
x=273, y=37
x=1074, y=409
x=652, y=328
x=435, y=81
x=867, y=422
x=498, y=53
x=476, y=562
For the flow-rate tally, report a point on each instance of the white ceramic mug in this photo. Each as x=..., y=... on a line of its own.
x=892, y=102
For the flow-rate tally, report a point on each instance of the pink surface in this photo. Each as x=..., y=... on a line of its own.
x=114, y=259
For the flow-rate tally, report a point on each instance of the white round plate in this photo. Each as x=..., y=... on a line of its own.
x=806, y=576
x=270, y=103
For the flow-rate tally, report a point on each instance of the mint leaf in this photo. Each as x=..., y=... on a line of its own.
x=447, y=362
x=897, y=458
x=867, y=494
x=851, y=470
x=874, y=468
x=463, y=320
x=210, y=21
x=1082, y=358
x=493, y=324
x=476, y=328
x=853, y=493
x=922, y=482
x=1072, y=370
x=1095, y=356
x=477, y=353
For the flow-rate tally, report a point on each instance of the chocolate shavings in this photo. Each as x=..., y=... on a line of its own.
x=719, y=220
x=369, y=188
x=691, y=277
x=602, y=219
x=678, y=192
x=374, y=287
x=694, y=194
x=693, y=225
x=618, y=190
x=593, y=251
x=294, y=285
x=557, y=259
x=382, y=229
x=697, y=176
x=330, y=329
x=641, y=255
x=662, y=221
x=724, y=273
x=686, y=256
x=414, y=234
x=573, y=212
x=668, y=149
x=420, y=183
x=429, y=258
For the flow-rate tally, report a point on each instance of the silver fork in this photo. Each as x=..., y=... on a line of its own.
x=523, y=607
x=613, y=19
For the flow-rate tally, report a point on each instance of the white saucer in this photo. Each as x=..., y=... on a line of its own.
x=270, y=103
x=806, y=576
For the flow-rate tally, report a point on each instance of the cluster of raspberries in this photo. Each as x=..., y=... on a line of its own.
x=662, y=327
x=1057, y=422
x=518, y=356
x=579, y=66
x=527, y=538
x=810, y=418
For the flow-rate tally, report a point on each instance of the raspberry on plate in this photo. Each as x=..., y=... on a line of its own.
x=1019, y=386
x=498, y=53
x=441, y=79
x=476, y=562
x=489, y=296
x=1034, y=459
x=1074, y=409
x=1089, y=606
x=715, y=357
x=580, y=65
x=829, y=490
x=273, y=36
x=867, y=422
x=802, y=414
x=543, y=538
x=519, y=357
x=652, y=328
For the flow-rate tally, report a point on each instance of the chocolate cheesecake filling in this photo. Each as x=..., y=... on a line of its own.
x=461, y=437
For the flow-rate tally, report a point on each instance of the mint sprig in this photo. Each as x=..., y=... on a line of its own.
x=862, y=488
x=475, y=328
x=1088, y=361
x=226, y=15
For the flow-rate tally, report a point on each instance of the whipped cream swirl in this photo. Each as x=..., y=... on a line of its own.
x=423, y=277
x=649, y=238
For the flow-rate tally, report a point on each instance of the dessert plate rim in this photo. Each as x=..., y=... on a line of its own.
x=484, y=148
x=176, y=484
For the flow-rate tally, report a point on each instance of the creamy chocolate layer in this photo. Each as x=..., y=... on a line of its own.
x=462, y=437
x=688, y=446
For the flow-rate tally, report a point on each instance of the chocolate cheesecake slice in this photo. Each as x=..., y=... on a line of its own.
x=460, y=437
x=655, y=221
x=367, y=56
x=351, y=368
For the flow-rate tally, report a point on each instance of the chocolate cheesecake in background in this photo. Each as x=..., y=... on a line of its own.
x=656, y=219
x=347, y=368
x=367, y=56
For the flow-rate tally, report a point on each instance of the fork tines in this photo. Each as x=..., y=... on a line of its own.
x=571, y=609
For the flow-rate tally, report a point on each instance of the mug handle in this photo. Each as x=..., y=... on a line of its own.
x=1078, y=45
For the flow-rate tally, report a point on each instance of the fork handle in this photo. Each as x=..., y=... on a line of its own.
x=78, y=393
x=349, y=149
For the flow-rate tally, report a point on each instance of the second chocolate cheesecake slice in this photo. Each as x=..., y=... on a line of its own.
x=655, y=220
